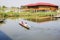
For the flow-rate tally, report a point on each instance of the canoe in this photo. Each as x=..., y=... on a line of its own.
x=24, y=26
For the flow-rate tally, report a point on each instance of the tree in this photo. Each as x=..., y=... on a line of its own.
x=3, y=8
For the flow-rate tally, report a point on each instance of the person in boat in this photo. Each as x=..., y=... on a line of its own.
x=24, y=23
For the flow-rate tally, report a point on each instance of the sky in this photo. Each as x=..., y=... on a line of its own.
x=18, y=3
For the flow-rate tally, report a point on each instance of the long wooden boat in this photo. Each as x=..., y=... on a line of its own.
x=24, y=26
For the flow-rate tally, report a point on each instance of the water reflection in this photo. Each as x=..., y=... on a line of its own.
x=49, y=30
x=42, y=19
x=13, y=18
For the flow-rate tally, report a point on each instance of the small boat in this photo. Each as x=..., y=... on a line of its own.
x=2, y=20
x=25, y=26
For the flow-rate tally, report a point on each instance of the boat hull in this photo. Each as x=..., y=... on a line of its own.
x=24, y=26
x=2, y=20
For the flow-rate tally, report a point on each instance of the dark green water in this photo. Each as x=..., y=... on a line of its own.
x=49, y=30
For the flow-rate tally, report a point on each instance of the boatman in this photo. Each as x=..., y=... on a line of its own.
x=22, y=22
x=25, y=24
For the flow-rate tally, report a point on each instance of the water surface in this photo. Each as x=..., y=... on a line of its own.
x=49, y=30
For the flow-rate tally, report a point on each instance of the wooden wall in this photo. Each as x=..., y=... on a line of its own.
x=41, y=8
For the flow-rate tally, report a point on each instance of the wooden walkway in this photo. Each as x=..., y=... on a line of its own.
x=57, y=16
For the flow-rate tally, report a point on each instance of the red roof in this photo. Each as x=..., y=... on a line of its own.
x=30, y=5
x=41, y=3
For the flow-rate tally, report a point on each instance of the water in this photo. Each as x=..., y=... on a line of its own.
x=49, y=30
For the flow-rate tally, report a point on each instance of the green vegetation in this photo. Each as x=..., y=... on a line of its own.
x=11, y=14
x=40, y=14
x=27, y=15
x=37, y=15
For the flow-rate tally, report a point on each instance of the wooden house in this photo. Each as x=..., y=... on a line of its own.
x=41, y=6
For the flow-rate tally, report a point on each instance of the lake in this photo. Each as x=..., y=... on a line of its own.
x=49, y=30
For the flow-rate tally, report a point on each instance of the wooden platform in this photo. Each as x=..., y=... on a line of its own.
x=57, y=16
